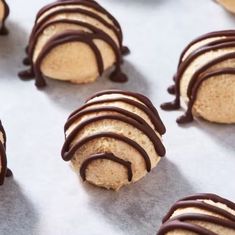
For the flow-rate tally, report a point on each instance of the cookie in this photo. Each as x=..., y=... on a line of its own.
x=76, y=41
x=114, y=139
x=205, y=79
x=204, y=214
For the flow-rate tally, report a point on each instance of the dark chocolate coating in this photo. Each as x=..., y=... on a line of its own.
x=107, y=156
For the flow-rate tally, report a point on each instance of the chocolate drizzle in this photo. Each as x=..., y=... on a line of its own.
x=153, y=118
x=4, y=171
x=110, y=112
x=143, y=99
x=183, y=222
x=3, y=29
x=107, y=156
x=91, y=4
x=226, y=42
x=74, y=35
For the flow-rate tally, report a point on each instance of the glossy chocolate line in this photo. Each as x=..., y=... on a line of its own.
x=206, y=67
x=88, y=38
x=171, y=89
x=107, y=156
x=169, y=226
x=34, y=40
x=94, y=5
x=198, y=204
x=184, y=65
x=3, y=158
x=212, y=197
x=188, y=117
x=67, y=156
x=145, y=128
x=59, y=40
x=205, y=218
x=79, y=11
x=223, y=33
x=140, y=106
x=143, y=99
x=196, y=81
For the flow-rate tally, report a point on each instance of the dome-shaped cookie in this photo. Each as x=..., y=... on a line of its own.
x=205, y=79
x=76, y=41
x=4, y=171
x=114, y=139
x=204, y=214
x=228, y=5
x=4, y=12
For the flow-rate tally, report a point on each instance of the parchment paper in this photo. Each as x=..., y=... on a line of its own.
x=45, y=197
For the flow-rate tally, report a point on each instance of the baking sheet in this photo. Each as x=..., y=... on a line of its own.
x=45, y=197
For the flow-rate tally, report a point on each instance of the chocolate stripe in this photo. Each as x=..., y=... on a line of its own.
x=79, y=11
x=185, y=221
x=223, y=33
x=212, y=197
x=201, y=205
x=204, y=68
x=143, y=99
x=40, y=82
x=88, y=38
x=144, y=127
x=176, y=103
x=171, y=226
x=35, y=37
x=205, y=218
x=188, y=117
x=140, y=106
x=67, y=156
x=92, y=4
x=107, y=156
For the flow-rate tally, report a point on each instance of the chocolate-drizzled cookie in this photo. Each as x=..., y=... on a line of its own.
x=204, y=214
x=114, y=139
x=4, y=171
x=76, y=41
x=4, y=13
x=205, y=79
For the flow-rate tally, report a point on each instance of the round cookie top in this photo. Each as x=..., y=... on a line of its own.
x=206, y=214
x=205, y=78
x=71, y=36
x=113, y=133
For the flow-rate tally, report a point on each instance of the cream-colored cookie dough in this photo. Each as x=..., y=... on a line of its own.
x=54, y=54
x=196, y=64
x=228, y=5
x=76, y=62
x=216, y=99
x=205, y=213
x=107, y=173
x=2, y=11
